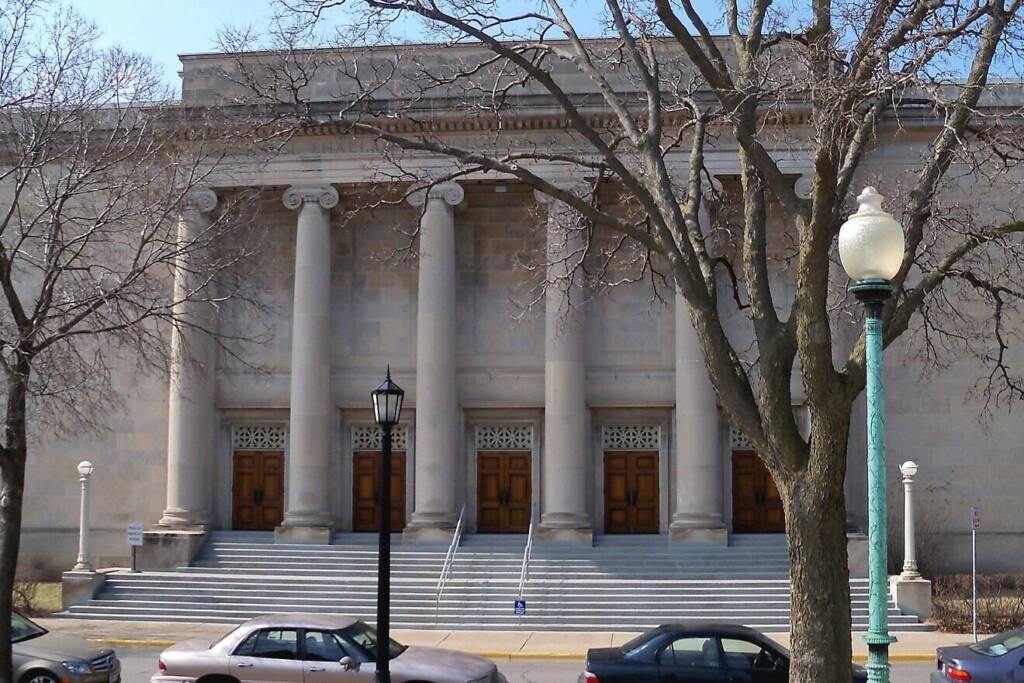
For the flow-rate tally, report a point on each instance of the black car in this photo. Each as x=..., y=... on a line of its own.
x=694, y=653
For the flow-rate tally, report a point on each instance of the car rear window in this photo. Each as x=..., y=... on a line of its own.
x=999, y=644
x=638, y=642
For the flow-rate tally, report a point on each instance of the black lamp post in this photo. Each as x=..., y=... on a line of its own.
x=387, y=408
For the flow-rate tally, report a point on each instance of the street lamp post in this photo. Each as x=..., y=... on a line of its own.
x=82, y=564
x=871, y=247
x=387, y=408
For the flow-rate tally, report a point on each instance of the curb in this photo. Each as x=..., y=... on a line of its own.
x=132, y=642
x=506, y=655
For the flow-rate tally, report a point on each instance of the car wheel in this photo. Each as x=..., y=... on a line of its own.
x=40, y=677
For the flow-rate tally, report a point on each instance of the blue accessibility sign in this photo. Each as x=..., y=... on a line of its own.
x=520, y=607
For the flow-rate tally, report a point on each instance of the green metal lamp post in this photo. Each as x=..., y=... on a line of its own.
x=871, y=248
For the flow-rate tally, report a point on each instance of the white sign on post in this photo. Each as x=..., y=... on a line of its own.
x=135, y=534
x=976, y=518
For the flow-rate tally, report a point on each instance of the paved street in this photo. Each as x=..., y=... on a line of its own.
x=140, y=663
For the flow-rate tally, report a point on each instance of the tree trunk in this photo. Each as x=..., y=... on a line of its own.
x=819, y=572
x=12, y=480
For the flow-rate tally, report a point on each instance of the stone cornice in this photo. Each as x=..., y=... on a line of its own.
x=452, y=194
x=297, y=195
x=577, y=187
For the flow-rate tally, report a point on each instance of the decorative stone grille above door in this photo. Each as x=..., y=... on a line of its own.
x=631, y=437
x=258, y=437
x=368, y=438
x=504, y=437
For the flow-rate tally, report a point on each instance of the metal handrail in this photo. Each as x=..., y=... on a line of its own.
x=527, y=551
x=449, y=560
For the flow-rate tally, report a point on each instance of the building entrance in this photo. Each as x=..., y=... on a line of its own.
x=503, y=491
x=258, y=490
x=631, y=492
x=756, y=505
x=366, y=484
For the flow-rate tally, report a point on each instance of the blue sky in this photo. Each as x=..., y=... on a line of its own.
x=163, y=29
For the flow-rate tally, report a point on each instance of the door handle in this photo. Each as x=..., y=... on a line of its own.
x=244, y=665
x=317, y=668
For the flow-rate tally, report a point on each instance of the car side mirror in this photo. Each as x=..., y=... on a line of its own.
x=348, y=664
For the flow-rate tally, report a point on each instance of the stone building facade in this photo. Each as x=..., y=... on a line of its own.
x=589, y=413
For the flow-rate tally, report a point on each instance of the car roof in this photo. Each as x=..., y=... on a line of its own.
x=704, y=628
x=299, y=620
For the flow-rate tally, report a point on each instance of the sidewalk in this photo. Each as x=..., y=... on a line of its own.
x=911, y=647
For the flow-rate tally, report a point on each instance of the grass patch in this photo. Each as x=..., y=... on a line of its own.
x=37, y=598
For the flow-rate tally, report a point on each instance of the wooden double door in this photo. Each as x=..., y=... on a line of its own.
x=365, y=487
x=756, y=505
x=257, y=490
x=631, y=492
x=504, y=491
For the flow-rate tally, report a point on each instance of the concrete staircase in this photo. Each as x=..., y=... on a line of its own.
x=620, y=584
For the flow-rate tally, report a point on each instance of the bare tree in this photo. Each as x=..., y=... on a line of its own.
x=97, y=163
x=831, y=81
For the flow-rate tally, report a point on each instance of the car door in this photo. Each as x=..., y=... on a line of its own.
x=322, y=655
x=270, y=655
x=750, y=662
x=691, y=659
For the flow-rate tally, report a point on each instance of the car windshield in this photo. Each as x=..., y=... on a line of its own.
x=22, y=629
x=365, y=636
x=1000, y=644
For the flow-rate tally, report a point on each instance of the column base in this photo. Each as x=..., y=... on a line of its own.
x=79, y=587
x=696, y=528
x=317, y=535
x=565, y=527
x=188, y=520
x=913, y=596
x=431, y=527
x=168, y=548
x=719, y=536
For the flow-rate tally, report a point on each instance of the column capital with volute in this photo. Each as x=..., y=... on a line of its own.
x=451, y=192
x=201, y=199
x=297, y=195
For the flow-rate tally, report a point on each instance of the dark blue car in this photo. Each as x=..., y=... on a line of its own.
x=998, y=659
x=694, y=653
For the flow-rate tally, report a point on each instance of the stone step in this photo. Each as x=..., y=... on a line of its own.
x=739, y=593
x=600, y=587
x=454, y=610
x=625, y=622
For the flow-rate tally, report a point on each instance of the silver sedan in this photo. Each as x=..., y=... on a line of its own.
x=313, y=648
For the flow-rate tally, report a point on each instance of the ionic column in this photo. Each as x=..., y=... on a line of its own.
x=307, y=514
x=437, y=419
x=698, y=468
x=564, y=515
x=190, y=411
